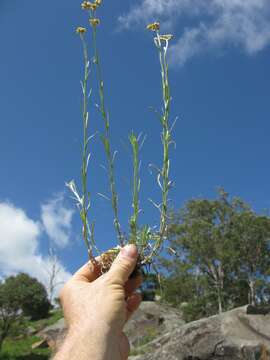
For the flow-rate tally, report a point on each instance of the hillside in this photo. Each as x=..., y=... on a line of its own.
x=157, y=332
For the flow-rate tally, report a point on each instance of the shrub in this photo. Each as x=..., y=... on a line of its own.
x=31, y=294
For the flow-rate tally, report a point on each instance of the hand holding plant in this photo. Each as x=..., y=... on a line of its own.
x=95, y=331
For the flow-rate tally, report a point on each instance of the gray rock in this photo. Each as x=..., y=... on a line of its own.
x=160, y=334
x=42, y=344
x=30, y=330
x=54, y=334
x=233, y=335
x=150, y=321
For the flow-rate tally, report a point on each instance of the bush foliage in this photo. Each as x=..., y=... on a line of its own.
x=220, y=257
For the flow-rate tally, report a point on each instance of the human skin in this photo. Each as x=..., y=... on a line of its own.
x=96, y=309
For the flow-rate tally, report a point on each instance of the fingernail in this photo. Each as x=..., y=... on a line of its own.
x=130, y=251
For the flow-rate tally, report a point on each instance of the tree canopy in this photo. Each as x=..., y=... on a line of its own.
x=21, y=295
x=221, y=249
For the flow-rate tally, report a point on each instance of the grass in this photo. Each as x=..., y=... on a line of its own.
x=150, y=334
x=41, y=324
x=14, y=349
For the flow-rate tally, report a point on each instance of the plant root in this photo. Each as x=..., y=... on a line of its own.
x=108, y=257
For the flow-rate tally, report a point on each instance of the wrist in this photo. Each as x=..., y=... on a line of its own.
x=84, y=343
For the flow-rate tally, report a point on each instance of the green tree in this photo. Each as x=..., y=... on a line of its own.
x=181, y=284
x=9, y=309
x=21, y=295
x=251, y=239
x=29, y=293
x=186, y=288
x=33, y=296
x=201, y=232
x=227, y=244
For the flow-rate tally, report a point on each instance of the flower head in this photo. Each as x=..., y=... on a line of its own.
x=165, y=37
x=98, y=2
x=93, y=6
x=94, y=22
x=87, y=5
x=153, y=26
x=80, y=30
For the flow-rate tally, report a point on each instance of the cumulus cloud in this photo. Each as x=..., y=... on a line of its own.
x=215, y=24
x=56, y=219
x=19, y=246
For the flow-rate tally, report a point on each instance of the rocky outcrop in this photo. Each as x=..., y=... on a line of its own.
x=150, y=321
x=157, y=332
x=234, y=335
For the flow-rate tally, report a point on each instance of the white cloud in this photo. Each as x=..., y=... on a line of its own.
x=215, y=24
x=56, y=219
x=19, y=244
x=165, y=10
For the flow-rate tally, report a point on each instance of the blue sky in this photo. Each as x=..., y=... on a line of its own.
x=220, y=72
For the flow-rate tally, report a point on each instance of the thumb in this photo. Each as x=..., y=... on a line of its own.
x=124, y=264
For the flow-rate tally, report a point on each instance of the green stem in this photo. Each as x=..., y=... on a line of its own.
x=136, y=188
x=85, y=155
x=166, y=140
x=107, y=144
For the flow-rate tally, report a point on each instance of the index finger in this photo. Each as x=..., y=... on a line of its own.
x=88, y=272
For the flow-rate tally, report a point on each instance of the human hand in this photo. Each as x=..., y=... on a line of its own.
x=96, y=309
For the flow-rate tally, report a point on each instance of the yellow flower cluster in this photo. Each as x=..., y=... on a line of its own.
x=94, y=22
x=153, y=27
x=80, y=30
x=87, y=5
x=165, y=37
